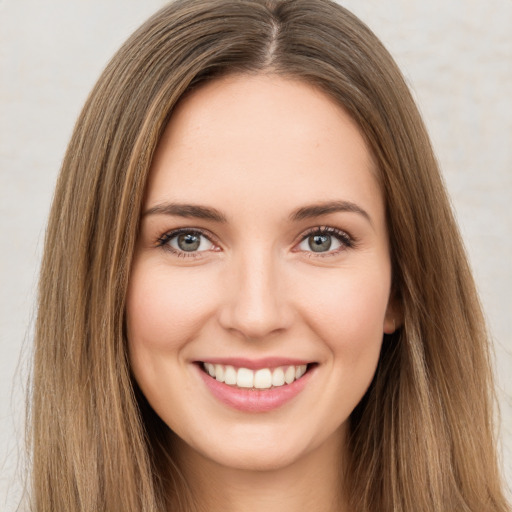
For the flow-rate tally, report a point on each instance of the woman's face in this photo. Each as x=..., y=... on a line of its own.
x=263, y=252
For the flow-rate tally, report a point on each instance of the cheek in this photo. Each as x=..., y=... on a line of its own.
x=164, y=311
x=347, y=310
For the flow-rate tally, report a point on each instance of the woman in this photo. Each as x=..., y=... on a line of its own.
x=253, y=291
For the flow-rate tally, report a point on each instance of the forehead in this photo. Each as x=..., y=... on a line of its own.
x=260, y=138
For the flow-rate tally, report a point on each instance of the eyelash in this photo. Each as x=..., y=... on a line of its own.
x=163, y=241
x=346, y=241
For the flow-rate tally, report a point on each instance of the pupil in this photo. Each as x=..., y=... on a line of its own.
x=320, y=243
x=188, y=242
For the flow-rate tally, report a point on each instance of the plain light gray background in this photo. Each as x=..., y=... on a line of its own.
x=457, y=58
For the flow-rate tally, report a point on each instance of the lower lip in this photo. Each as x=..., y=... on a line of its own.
x=255, y=400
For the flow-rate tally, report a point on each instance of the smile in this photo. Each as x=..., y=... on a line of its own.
x=263, y=378
x=266, y=386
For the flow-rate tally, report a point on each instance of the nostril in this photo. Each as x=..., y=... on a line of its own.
x=254, y=312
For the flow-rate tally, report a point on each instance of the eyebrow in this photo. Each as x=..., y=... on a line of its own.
x=187, y=210
x=209, y=213
x=317, y=210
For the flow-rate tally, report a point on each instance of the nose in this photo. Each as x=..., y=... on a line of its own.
x=256, y=304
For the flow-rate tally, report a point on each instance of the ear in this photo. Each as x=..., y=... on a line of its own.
x=393, y=318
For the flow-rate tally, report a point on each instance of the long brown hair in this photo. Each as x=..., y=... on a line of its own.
x=423, y=436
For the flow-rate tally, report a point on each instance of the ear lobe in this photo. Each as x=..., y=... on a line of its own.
x=389, y=325
x=393, y=318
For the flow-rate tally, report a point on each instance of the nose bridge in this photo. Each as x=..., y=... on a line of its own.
x=257, y=305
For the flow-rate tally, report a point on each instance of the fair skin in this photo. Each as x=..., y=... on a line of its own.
x=285, y=264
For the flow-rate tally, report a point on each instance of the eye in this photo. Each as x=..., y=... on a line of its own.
x=325, y=240
x=186, y=242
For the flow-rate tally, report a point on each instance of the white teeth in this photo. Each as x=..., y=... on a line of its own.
x=244, y=378
x=210, y=369
x=230, y=376
x=278, y=377
x=219, y=372
x=300, y=371
x=289, y=374
x=263, y=378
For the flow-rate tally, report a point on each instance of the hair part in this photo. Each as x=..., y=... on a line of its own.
x=421, y=439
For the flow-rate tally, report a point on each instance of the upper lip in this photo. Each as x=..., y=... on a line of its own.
x=255, y=364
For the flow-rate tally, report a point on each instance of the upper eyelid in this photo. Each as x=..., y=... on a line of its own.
x=329, y=230
x=346, y=240
x=163, y=239
x=323, y=229
x=173, y=232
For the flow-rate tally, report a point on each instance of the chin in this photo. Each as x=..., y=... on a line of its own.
x=269, y=451
x=259, y=459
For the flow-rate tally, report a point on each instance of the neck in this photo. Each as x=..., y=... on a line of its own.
x=313, y=482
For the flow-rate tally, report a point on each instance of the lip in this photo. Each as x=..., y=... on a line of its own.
x=256, y=364
x=255, y=400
